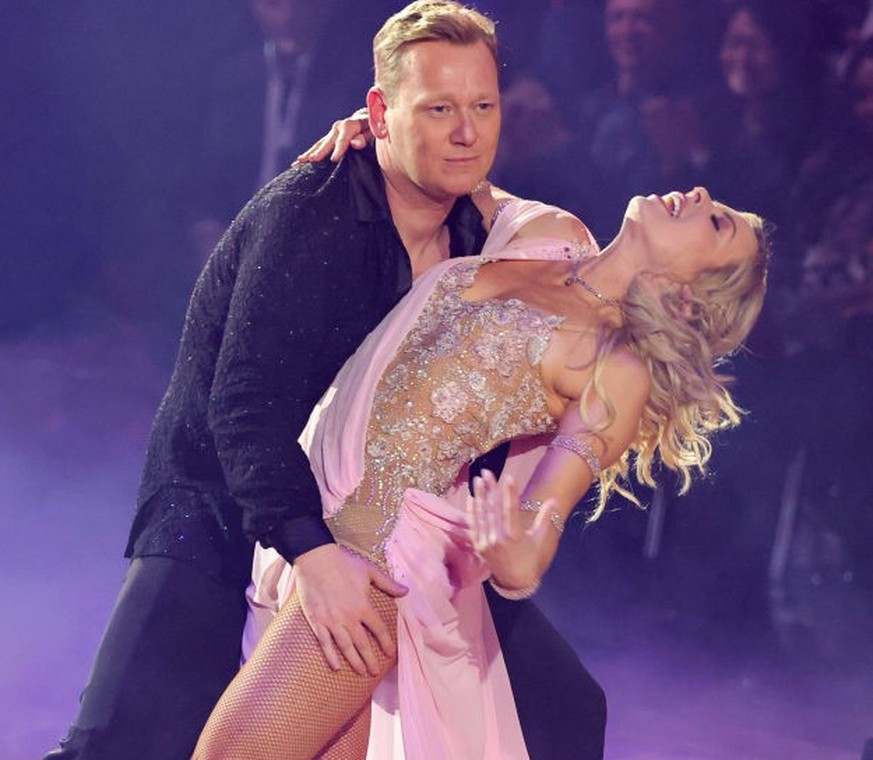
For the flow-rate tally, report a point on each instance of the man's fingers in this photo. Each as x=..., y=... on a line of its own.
x=364, y=649
x=379, y=631
x=386, y=583
x=327, y=646
x=350, y=651
x=382, y=635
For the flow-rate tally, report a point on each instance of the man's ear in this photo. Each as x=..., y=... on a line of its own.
x=377, y=107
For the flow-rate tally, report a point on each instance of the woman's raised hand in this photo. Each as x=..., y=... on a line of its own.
x=353, y=131
x=514, y=553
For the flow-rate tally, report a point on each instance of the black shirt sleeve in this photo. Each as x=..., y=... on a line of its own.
x=269, y=375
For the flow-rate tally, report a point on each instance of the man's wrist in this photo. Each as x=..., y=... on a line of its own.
x=298, y=535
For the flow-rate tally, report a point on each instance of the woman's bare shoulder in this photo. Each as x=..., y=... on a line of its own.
x=557, y=223
x=553, y=223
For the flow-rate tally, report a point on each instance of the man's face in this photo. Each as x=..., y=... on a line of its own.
x=639, y=32
x=441, y=122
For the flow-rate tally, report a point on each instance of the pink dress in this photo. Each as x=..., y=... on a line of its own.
x=439, y=382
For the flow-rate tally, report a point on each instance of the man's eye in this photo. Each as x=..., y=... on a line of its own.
x=715, y=222
x=439, y=109
x=485, y=106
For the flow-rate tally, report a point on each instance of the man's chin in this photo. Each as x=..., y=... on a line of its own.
x=463, y=186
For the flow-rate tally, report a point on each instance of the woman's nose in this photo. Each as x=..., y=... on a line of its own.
x=699, y=195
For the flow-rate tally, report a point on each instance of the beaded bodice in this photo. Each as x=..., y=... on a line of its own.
x=465, y=378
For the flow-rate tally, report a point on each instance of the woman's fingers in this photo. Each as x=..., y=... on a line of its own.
x=493, y=510
x=353, y=131
x=321, y=147
x=510, y=505
x=478, y=508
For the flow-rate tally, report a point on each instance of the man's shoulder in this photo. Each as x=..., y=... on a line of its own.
x=299, y=190
x=308, y=182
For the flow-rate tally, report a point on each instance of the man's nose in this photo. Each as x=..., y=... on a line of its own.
x=466, y=131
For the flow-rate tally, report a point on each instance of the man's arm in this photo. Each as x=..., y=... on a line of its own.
x=267, y=380
x=276, y=359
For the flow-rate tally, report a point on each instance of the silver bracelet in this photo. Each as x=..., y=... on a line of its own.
x=580, y=448
x=515, y=594
x=532, y=505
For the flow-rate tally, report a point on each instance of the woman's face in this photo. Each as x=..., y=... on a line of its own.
x=683, y=234
x=749, y=61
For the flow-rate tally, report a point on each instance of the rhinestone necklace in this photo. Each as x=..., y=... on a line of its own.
x=575, y=278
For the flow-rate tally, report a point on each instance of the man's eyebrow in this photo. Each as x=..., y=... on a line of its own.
x=730, y=218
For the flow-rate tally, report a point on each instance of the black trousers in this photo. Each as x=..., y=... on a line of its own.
x=173, y=644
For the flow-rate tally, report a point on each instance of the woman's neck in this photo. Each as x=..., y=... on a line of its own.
x=610, y=273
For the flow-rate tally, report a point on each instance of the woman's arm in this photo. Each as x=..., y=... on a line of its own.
x=517, y=533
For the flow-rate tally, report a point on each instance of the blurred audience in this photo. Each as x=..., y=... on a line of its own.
x=770, y=117
x=637, y=131
x=827, y=324
x=269, y=101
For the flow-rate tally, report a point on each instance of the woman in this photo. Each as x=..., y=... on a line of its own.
x=581, y=358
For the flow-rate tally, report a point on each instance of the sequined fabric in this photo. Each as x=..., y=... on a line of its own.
x=465, y=378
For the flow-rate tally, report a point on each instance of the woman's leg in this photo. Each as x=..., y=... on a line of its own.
x=352, y=740
x=286, y=703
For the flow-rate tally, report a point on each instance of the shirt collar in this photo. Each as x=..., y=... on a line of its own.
x=367, y=188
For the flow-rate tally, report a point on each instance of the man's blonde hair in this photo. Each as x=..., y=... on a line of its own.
x=427, y=21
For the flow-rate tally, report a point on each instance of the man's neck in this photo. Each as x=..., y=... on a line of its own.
x=420, y=222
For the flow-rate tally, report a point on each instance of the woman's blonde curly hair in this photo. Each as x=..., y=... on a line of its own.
x=683, y=333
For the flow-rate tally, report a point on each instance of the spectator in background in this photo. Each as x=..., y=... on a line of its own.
x=769, y=120
x=270, y=101
x=539, y=137
x=827, y=321
x=639, y=133
x=570, y=56
x=643, y=128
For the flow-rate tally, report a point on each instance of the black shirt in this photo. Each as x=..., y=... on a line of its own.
x=307, y=269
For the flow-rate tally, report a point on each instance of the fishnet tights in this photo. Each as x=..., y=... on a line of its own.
x=287, y=704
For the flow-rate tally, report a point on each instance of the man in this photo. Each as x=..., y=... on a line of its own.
x=304, y=272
